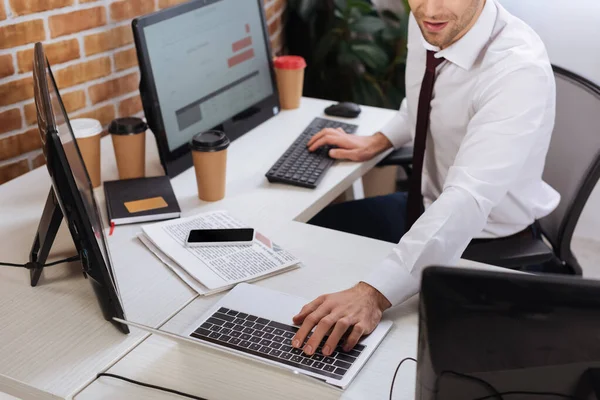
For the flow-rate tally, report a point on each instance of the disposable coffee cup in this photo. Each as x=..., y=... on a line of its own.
x=129, y=142
x=290, y=80
x=87, y=133
x=209, y=151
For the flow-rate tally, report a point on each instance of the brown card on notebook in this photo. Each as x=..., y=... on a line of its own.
x=145, y=204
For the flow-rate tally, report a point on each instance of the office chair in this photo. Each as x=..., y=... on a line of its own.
x=572, y=168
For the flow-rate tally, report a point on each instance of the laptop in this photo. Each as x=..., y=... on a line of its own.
x=254, y=322
x=483, y=334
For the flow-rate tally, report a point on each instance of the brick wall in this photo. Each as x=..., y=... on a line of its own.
x=89, y=44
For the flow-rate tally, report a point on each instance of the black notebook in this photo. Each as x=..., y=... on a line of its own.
x=140, y=200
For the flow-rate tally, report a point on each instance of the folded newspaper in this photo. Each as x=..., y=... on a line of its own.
x=213, y=269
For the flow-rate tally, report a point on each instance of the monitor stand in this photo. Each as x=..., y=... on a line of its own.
x=44, y=238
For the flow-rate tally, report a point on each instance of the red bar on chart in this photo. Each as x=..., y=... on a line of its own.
x=247, y=28
x=242, y=44
x=240, y=58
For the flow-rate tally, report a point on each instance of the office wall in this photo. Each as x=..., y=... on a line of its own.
x=570, y=31
x=90, y=47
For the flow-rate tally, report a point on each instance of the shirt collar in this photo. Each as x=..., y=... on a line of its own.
x=465, y=51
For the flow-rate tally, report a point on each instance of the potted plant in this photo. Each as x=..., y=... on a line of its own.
x=354, y=51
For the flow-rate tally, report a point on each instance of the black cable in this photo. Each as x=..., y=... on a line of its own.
x=489, y=386
x=396, y=373
x=190, y=396
x=66, y=260
x=527, y=393
x=74, y=258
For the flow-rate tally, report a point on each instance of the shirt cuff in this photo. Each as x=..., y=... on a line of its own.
x=394, y=281
x=397, y=131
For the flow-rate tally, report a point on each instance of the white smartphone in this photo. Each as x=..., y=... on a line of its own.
x=220, y=237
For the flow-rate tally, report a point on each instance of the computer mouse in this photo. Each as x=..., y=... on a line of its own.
x=344, y=109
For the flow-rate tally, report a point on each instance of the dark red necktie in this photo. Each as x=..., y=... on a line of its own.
x=414, y=206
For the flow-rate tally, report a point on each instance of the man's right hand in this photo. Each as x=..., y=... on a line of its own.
x=349, y=147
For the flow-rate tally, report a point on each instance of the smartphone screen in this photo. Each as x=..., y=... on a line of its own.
x=221, y=235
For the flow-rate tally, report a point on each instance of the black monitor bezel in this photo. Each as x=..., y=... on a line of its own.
x=68, y=195
x=176, y=161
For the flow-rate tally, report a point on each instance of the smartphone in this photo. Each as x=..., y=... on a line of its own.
x=220, y=237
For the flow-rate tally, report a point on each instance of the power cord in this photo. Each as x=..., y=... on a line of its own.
x=489, y=386
x=396, y=373
x=190, y=396
x=66, y=260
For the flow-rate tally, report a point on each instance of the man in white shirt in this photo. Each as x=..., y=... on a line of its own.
x=487, y=133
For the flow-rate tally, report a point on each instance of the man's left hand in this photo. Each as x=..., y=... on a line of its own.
x=359, y=309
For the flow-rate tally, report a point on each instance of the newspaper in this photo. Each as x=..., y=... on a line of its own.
x=214, y=268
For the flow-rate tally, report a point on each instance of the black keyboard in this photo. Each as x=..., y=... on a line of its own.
x=273, y=341
x=299, y=167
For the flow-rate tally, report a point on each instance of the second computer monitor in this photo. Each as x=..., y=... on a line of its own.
x=205, y=64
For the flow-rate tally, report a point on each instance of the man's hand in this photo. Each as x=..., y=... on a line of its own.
x=358, y=309
x=350, y=147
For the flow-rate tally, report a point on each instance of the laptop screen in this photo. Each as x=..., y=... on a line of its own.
x=483, y=333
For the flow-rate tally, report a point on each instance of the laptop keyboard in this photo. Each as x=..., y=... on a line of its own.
x=273, y=341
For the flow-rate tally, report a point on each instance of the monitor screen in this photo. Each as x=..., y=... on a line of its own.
x=80, y=175
x=209, y=64
x=486, y=332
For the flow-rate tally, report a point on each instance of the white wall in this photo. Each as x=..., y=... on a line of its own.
x=571, y=31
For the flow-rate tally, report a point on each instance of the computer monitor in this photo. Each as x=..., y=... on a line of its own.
x=205, y=64
x=485, y=333
x=71, y=196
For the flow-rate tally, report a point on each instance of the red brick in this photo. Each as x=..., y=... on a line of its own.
x=29, y=141
x=73, y=101
x=10, y=120
x=76, y=21
x=104, y=114
x=130, y=106
x=128, y=9
x=86, y=1
x=108, y=40
x=11, y=171
x=274, y=26
x=6, y=66
x=38, y=160
x=113, y=88
x=57, y=53
x=126, y=59
x=2, y=12
x=170, y=3
x=9, y=147
x=16, y=91
x=23, y=33
x=22, y=7
x=83, y=72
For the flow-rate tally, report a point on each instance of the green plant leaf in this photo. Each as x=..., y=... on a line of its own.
x=361, y=5
x=391, y=34
x=371, y=54
x=341, y=5
x=324, y=47
x=368, y=24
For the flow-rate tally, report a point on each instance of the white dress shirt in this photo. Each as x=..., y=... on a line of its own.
x=492, y=117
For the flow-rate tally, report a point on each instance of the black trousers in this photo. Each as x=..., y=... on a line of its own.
x=382, y=218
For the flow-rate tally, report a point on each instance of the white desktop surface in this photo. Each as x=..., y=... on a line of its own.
x=53, y=337
x=54, y=340
x=333, y=261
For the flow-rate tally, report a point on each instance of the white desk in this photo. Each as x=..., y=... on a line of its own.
x=334, y=261
x=53, y=339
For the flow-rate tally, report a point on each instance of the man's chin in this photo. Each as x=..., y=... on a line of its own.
x=434, y=40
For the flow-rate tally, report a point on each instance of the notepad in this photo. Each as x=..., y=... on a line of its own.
x=140, y=200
